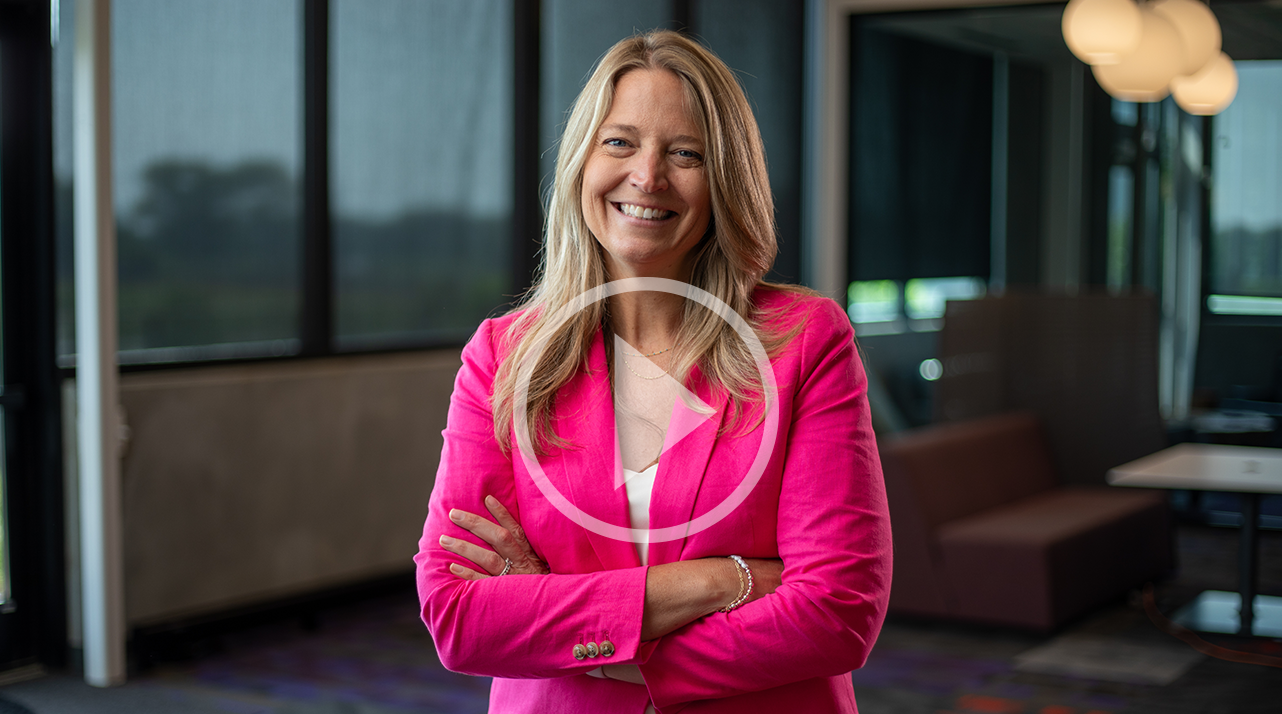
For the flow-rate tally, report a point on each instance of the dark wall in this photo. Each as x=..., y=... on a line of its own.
x=921, y=158
x=1024, y=175
x=763, y=41
x=1239, y=358
x=897, y=359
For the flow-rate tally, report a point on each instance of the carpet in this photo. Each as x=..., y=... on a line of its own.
x=1109, y=659
x=8, y=707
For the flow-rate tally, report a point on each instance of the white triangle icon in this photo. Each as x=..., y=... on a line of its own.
x=687, y=413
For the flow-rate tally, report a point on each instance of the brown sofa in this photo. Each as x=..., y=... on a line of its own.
x=984, y=533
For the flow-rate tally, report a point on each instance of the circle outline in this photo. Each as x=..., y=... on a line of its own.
x=525, y=372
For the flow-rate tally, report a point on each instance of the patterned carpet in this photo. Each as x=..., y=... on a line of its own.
x=375, y=657
x=377, y=653
x=937, y=668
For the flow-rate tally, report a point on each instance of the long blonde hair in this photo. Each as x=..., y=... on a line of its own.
x=729, y=262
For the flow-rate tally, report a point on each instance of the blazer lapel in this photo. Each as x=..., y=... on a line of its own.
x=681, y=471
x=589, y=463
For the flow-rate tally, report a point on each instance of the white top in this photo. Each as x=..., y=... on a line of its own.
x=640, y=488
x=1205, y=467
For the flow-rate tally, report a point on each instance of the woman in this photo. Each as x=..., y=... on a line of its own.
x=660, y=174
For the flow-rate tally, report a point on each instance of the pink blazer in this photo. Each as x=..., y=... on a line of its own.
x=820, y=506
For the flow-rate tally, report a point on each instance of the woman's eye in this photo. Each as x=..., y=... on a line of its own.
x=619, y=143
x=689, y=155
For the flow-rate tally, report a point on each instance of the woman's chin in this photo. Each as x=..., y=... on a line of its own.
x=645, y=267
x=641, y=259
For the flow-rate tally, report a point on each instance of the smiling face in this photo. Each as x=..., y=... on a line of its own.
x=645, y=190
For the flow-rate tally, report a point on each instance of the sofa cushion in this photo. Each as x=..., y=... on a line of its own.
x=1039, y=561
x=956, y=470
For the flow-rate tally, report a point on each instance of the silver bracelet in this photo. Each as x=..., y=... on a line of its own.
x=744, y=592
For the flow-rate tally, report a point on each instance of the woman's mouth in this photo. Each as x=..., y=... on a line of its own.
x=648, y=214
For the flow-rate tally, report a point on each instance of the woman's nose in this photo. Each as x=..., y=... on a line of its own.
x=649, y=171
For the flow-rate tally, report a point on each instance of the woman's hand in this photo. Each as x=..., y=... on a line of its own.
x=507, y=539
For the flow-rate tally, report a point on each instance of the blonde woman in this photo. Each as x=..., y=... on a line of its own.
x=661, y=174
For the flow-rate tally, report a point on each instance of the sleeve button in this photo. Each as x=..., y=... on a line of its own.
x=607, y=648
x=580, y=652
x=592, y=649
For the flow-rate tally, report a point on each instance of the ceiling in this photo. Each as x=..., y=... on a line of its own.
x=1031, y=33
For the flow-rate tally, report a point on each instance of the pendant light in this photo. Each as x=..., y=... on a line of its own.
x=1145, y=52
x=1209, y=91
x=1100, y=32
x=1197, y=27
x=1145, y=74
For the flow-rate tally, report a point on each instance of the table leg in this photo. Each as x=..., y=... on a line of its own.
x=1247, y=546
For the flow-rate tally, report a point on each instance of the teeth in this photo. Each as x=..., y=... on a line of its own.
x=645, y=213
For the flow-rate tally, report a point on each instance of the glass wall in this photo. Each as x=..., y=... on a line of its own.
x=209, y=120
x=1246, y=205
x=421, y=167
x=1121, y=195
x=207, y=139
x=5, y=581
x=761, y=40
x=921, y=172
x=63, y=211
x=575, y=35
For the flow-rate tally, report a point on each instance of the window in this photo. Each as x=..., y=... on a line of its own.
x=255, y=221
x=1121, y=196
x=922, y=137
x=1246, y=214
x=925, y=298
x=883, y=307
x=575, y=35
x=207, y=138
x=209, y=123
x=762, y=41
x=421, y=156
x=921, y=156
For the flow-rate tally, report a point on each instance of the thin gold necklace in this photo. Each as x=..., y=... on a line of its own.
x=651, y=354
x=642, y=376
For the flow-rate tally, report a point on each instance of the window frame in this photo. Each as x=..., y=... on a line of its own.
x=33, y=626
x=317, y=316
x=1208, y=317
x=316, y=338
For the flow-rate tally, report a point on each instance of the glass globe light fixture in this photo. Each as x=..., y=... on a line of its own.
x=1210, y=91
x=1198, y=30
x=1100, y=32
x=1145, y=74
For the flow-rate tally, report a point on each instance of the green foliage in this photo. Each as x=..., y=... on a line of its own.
x=213, y=255
x=874, y=291
x=209, y=256
x=1247, y=262
x=428, y=272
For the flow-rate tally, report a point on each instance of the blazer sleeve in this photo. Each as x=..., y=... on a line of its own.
x=517, y=626
x=833, y=537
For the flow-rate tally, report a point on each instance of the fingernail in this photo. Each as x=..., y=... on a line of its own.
x=455, y=568
x=446, y=540
x=492, y=501
x=456, y=515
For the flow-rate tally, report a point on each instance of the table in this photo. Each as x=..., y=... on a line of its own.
x=1248, y=470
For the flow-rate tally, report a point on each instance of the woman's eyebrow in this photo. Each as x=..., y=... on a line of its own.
x=629, y=129
x=625, y=128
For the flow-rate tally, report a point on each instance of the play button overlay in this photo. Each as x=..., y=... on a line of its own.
x=653, y=412
x=640, y=385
